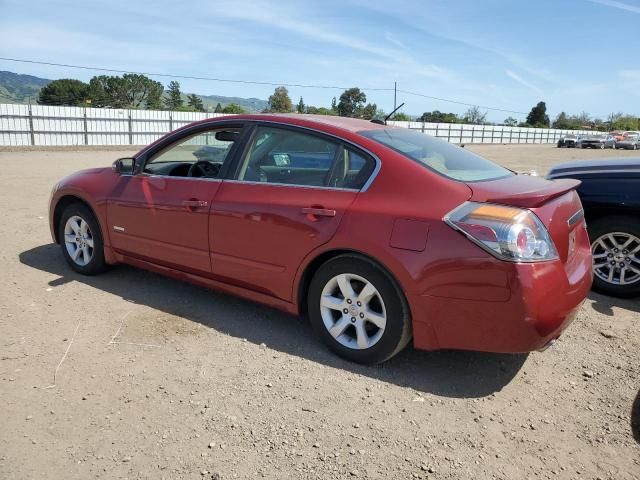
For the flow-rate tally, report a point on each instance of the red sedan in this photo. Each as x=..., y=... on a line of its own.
x=379, y=234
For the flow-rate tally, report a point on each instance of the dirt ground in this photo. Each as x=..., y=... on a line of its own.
x=132, y=375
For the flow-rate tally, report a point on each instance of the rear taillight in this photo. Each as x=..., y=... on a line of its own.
x=509, y=233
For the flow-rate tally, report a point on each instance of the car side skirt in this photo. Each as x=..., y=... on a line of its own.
x=205, y=282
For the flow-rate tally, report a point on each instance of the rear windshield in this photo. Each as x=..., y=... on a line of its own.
x=440, y=156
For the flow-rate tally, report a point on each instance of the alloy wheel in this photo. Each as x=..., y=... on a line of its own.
x=78, y=240
x=616, y=258
x=353, y=311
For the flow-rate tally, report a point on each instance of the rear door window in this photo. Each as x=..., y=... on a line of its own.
x=290, y=157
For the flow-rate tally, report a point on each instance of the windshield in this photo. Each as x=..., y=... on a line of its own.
x=442, y=157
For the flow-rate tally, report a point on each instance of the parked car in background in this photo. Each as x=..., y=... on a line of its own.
x=610, y=194
x=591, y=141
x=617, y=134
x=629, y=142
x=568, y=141
x=378, y=234
x=610, y=141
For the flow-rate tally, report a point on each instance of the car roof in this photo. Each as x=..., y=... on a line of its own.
x=620, y=163
x=303, y=119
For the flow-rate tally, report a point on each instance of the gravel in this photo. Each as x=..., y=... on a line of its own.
x=190, y=373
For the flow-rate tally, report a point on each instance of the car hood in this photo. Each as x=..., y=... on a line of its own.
x=520, y=190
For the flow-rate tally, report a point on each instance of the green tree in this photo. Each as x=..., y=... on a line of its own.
x=474, y=116
x=510, y=122
x=139, y=89
x=562, y=122
x=64, y=92
x=154, y=99
x=326, y=111
x=218, y=108
x=627, y=122
x=195, y=102
x=538, y=116
x=368, y=111
x=351, y=102
x=129, y=91
x=173, y=101
x=319, y=110
x=301, y=107
x=401, y=117
x=233, y=108
x=279, y=101
x=439, y=117
x=98, y=88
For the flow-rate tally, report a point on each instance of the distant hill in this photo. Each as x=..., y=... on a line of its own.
x=249, y=104
x=17, y=88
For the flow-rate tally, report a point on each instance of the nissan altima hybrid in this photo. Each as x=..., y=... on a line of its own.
x=380, y=235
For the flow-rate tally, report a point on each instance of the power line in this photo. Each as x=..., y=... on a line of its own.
x=252, y=82
x=461, y=103
x=190, y=77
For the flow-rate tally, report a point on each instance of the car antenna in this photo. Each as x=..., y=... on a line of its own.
x=384, y=122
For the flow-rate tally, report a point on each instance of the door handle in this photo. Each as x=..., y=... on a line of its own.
x=319, y=212
x=194, y=203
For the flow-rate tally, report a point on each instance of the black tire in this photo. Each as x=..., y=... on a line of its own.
x=97, y=263
x=602, y=226
x=397, y=331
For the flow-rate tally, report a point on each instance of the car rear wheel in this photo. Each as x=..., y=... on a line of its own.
x=615, y=246
x=81, y=240
x=358, y=310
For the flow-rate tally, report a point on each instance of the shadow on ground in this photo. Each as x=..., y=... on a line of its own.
x=444, y=373
x=635, y=418
x=604, y=304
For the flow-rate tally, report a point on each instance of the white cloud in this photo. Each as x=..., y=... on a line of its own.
x=619, y=5
x=523, y=82
x=393, y=39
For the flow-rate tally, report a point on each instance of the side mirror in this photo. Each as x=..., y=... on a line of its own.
x=124, y=166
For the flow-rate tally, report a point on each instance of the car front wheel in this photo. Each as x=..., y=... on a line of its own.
x=358, y=310
x=615, y=246
x=81, y=240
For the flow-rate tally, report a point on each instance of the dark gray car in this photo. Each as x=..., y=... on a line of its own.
x=568, y=141
x=592, y=141
x=629, y=142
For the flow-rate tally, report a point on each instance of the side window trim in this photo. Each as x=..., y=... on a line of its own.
x=249, y=133
x=176, y=137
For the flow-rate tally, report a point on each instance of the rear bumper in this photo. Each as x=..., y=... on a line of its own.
x=541, y=300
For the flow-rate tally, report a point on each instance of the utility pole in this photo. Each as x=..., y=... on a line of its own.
x=395, y=91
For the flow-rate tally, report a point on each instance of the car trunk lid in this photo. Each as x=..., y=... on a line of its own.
x=522, y=191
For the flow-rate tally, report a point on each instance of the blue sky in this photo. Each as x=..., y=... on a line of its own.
x=577, y=55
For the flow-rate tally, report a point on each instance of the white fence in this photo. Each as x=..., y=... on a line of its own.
x=462, y=133
x=45, y=125
x=25, y=125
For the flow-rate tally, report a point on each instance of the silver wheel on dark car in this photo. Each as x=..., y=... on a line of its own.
x=353, y=311
x=78, y=240
x=616, y=258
